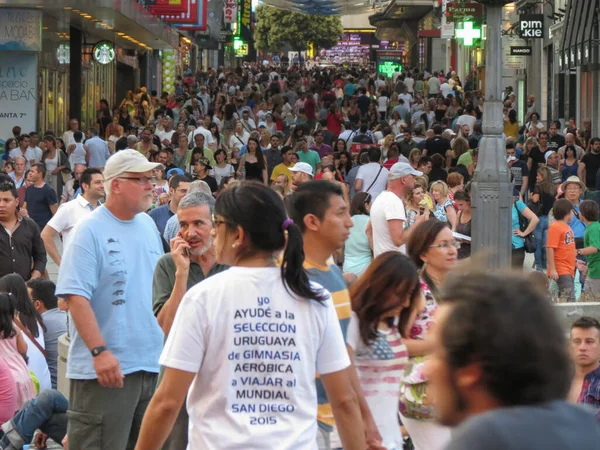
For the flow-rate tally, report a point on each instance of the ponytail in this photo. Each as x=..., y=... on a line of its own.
x=292, y=270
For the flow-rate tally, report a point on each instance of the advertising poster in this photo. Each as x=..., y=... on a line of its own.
x=20, y=30
x=18, y=93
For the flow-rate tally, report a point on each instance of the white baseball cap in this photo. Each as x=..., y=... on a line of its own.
x=128, y=161
x=401, y=170
x=303, y=167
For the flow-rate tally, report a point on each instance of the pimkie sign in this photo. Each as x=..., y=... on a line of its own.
x=531, y=26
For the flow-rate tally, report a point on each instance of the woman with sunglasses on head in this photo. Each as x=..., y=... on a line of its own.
x=358, y=251
x=434, y=251
x=247, y=361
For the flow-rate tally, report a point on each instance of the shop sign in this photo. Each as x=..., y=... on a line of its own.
x=468, y=33
x=388, y=68
x=104, y=52
x=20, y=30
x=63, y=53
x=246, y=12
x=531, y=26
x=18, y=92
x=520, y=51
x=230, y=11
x=447, y=29
x=240, y=47
x=463, y=12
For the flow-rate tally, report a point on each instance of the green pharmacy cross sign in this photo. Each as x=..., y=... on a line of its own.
x=388, y=68
x=468, y=34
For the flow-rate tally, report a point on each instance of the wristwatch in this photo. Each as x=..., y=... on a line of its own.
x=96, y=351
x=578, y=252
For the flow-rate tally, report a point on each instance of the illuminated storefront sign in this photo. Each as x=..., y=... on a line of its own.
x=468, y=33
x=388, y=68
x=240, y=47
x=104, y=52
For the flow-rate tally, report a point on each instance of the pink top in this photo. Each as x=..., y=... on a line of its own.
x=8, y=394
x=424, y=319
x=21, y=380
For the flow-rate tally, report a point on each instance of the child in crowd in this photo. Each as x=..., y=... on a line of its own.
x=16, y=387
x=384, y=303
x=561, y=252
x=588, y=211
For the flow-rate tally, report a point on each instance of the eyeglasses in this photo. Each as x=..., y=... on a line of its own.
x=141, y=181
x=216, y=222
x=446, y=245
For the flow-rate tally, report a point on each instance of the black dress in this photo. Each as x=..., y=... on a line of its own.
x=253, y=172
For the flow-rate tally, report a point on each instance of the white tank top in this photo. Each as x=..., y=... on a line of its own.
x=77, y=155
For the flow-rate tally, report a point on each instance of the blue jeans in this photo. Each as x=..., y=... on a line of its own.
x=46, y=412
x=541, y=236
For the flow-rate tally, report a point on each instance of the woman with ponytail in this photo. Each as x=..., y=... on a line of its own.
x=246, y=342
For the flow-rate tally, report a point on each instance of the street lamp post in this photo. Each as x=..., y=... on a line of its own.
x=491, y=189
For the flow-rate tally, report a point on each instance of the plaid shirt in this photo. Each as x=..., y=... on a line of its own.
x=590, y=391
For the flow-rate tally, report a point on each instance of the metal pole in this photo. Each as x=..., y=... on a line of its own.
x=491, y=190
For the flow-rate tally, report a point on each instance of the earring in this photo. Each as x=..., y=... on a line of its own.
x=234, y=245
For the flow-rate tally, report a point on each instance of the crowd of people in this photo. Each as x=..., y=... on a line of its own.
x=223, y=243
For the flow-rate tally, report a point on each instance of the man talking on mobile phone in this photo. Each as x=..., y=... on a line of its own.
x=192, y=259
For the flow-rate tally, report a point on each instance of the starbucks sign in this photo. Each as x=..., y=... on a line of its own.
x=104, y=52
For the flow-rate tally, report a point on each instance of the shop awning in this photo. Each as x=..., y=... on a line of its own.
x=394, y=22
x=578, y=44
x=106, y=19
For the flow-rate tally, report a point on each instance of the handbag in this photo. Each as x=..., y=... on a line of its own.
x=530, y=243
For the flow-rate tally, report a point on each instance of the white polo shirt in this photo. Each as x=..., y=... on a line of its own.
x=68, y=215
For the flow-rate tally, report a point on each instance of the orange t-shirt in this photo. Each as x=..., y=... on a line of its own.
x=561, y=239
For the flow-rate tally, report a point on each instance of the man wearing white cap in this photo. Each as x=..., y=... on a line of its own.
x=106, y=279
x=386, y=227
x=301, y=173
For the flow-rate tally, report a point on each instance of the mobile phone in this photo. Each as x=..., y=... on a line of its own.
x=188, y=252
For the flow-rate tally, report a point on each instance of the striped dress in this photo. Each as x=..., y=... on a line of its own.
x=380, y=366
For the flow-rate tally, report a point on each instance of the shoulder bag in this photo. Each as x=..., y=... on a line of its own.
x=31, y=338
x=377, y=176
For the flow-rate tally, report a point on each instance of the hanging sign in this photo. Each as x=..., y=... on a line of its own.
x=463, y=12
x=531, y=26
x=104, y=52
x=230, y=11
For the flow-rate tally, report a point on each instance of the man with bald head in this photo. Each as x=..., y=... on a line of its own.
x=18, y=175
x=571, y=142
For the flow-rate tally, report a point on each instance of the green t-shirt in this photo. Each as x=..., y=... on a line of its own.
x=465, y=159
x=311, y=157
x=591, y=238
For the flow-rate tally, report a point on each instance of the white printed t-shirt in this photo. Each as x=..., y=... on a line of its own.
x=388, y=206
x=255, y=350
